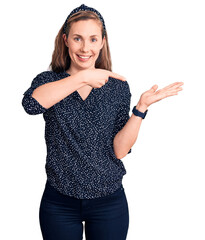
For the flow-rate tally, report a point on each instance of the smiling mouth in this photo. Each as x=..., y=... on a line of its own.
x=83, y=57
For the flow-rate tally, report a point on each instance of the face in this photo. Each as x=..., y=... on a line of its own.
x=84, y=43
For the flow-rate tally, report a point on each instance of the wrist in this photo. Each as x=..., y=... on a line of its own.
x=81, y=77
x=141, y=107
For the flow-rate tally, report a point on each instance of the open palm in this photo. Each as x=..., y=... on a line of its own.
x=151, y=96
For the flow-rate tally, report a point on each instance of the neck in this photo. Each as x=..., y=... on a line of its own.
x=73, y=70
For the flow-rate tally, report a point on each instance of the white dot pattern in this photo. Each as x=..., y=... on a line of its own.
x=79, y=135
x=83, y=7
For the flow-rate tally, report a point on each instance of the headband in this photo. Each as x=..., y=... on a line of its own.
x=84, y=8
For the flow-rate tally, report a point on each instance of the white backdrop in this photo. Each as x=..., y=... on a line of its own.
x=151, y=42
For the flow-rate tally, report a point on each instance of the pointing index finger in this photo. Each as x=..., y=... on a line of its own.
x=115, y=75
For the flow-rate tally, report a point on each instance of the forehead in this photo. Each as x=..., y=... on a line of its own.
x=86, y=27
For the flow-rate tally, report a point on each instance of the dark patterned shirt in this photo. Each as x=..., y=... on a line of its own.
x=79, y=135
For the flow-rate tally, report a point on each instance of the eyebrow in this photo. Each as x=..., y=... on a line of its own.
x=75, y=34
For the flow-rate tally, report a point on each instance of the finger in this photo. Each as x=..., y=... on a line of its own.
x=115, y=75
x=179, y=89
x=174, y=85
x=174, y=92
x=153, y=88
x=171, y=94
x=177, y=85
x=165, y=95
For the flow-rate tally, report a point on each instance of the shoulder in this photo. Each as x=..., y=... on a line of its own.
x=120, y=86
x=47, y=76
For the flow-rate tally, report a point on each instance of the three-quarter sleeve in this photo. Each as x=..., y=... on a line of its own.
x=30, y=104
x=123, y=113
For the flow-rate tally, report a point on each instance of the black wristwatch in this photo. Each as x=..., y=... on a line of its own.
x=138, y=113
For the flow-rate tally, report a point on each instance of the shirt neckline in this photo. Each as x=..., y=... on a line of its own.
x=77, y=94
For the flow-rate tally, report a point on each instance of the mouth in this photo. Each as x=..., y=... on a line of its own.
x=83, y=57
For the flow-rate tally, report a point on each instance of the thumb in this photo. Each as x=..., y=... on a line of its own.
x=154, y=88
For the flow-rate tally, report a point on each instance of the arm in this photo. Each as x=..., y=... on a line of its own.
x=127, y=136
x=51, y=93
x=44, y=93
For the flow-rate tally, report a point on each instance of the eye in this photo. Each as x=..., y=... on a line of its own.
x=77, y=39
x=94, y=40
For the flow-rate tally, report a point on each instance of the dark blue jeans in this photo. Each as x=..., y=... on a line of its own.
x=61, y=217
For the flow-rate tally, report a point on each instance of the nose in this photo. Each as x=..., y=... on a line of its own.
x=85, y=46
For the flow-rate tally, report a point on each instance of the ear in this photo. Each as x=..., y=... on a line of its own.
x=103, y=42
x=65, y=39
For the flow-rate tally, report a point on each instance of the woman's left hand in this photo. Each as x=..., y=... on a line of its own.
x=151, y=96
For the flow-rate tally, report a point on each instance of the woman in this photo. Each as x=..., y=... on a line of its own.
x=88, y=130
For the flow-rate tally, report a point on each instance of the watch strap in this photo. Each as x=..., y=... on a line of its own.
x=138, y=113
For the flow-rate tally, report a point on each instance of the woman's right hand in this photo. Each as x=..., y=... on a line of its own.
x=96, y=78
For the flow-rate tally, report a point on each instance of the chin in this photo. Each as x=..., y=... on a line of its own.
x=90, y=66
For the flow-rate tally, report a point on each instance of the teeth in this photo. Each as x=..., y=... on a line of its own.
x=84, y=57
